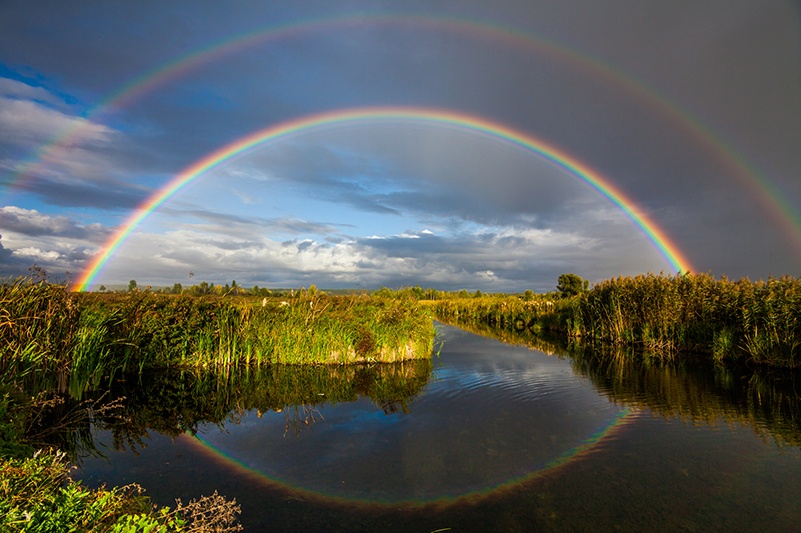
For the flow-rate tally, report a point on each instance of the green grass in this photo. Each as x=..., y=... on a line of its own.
x=659, y=316
x=760, y=321
x=74, y=342
x=58, y=347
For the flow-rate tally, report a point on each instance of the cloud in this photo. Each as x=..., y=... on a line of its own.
x=638, y=93
x=48, y=150
x=108, y=194
x=16, y=89
x=420, y=169
x=57, y=258
x=28, y=122
x=32, y=223
x=499, y=259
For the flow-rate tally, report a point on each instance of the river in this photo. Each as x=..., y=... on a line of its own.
x=489, y=436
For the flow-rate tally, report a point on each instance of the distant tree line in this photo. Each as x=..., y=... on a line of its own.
x=568, y=285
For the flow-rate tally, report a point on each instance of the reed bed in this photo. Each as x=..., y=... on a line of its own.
x=760, y=321
x=505, y=312
x=72, y=342
x=659, y=315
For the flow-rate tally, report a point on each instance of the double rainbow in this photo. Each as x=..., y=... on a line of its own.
x=372, y=115
x=765, y=192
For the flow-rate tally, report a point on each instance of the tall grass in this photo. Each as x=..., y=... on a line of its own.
x=659, y=315
x=38, y=322
x=512, y=313
x=72, y=342
x=54, y=343
x=728, y=319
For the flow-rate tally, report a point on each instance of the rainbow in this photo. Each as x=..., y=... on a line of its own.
x=774, y=202
x=372, y=115
x=581, y=451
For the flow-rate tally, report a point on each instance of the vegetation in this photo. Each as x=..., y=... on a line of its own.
x=571, y=285
x=660, y=315
x=206, y=351
x=693, y=388
x=535, y=313
x=760, y=321
x=81, y=339
x=57, y=347
x=36, y=491
x=37, y=495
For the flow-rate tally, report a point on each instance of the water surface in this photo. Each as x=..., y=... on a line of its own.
x=490, y=437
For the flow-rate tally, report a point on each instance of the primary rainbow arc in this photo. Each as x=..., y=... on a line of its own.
x=438, y=117
x=765, y=191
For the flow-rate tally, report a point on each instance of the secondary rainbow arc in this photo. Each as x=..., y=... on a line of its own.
x=437, y=117
x=766, y=192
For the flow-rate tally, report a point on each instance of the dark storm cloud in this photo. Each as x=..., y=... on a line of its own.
x=664, y=100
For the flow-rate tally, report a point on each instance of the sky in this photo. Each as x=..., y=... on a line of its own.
x=620, y=117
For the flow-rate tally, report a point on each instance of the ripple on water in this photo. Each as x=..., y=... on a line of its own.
x=492, y=413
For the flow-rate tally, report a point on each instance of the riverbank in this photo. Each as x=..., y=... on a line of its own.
x=659, y=315
x=84, y=338
x=57, y=347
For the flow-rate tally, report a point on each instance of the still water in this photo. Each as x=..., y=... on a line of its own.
x=486, y=437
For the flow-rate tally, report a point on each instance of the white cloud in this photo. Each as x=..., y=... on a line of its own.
x=17, y=89
x=37, y=254
x=31, y=222
x=26, y=122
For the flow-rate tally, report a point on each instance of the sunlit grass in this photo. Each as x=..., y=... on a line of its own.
x=660, y=315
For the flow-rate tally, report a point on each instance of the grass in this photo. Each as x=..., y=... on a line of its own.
x=230, y=354
x=659, y=315
x=73, y=341
x=759, y=321
x=56, y=345
x=163, y=330
x=37, y=493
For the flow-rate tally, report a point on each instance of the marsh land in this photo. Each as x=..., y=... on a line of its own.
x=361, y=404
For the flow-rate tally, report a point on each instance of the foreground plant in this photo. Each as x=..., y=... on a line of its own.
x=37, y=495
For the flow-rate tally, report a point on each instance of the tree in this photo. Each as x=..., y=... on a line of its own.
x=571, y=285
x=132, y=285
x=102, y=288
x=177, y=288
x=528, y=295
